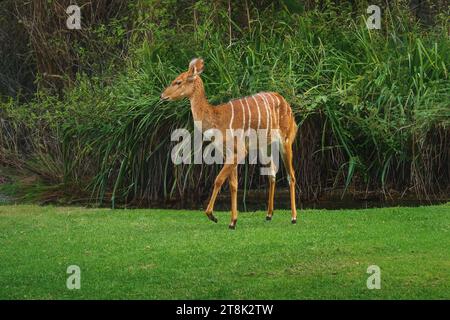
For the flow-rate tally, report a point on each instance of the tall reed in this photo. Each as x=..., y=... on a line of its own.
x=373, y=106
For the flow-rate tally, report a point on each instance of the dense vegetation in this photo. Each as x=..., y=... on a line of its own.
x=80, y=108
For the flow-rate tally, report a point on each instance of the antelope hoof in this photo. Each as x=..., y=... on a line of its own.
x=294, y=221
x=211, y=217
x=232, y=227
x=268, y=218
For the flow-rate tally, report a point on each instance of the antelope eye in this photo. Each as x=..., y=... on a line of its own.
x=177, y=82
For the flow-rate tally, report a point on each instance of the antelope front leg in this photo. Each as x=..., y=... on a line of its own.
x=220, y=179
x=233, y=180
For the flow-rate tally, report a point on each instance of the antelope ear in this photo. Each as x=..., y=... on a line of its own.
x=195, y=67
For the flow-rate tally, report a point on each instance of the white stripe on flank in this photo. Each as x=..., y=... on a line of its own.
x=279, y=106
x=271, y=98
x=268, y=113
x=271, y=108
x=232, y=117
x=275, y=109
x=278, y=101
x=259, y=113
x=243, y=116
x=249, y=114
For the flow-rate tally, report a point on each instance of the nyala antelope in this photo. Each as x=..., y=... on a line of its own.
x=265, y=110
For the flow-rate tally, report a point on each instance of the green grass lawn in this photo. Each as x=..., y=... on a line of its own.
x=166, y=254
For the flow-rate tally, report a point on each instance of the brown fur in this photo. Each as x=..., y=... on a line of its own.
x=235, y=115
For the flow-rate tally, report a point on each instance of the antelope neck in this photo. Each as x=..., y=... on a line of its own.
x=200, y=107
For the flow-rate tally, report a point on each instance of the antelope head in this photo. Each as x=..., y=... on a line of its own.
x=184, y=84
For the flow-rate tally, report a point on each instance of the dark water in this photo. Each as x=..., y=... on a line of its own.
x=258, y=201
